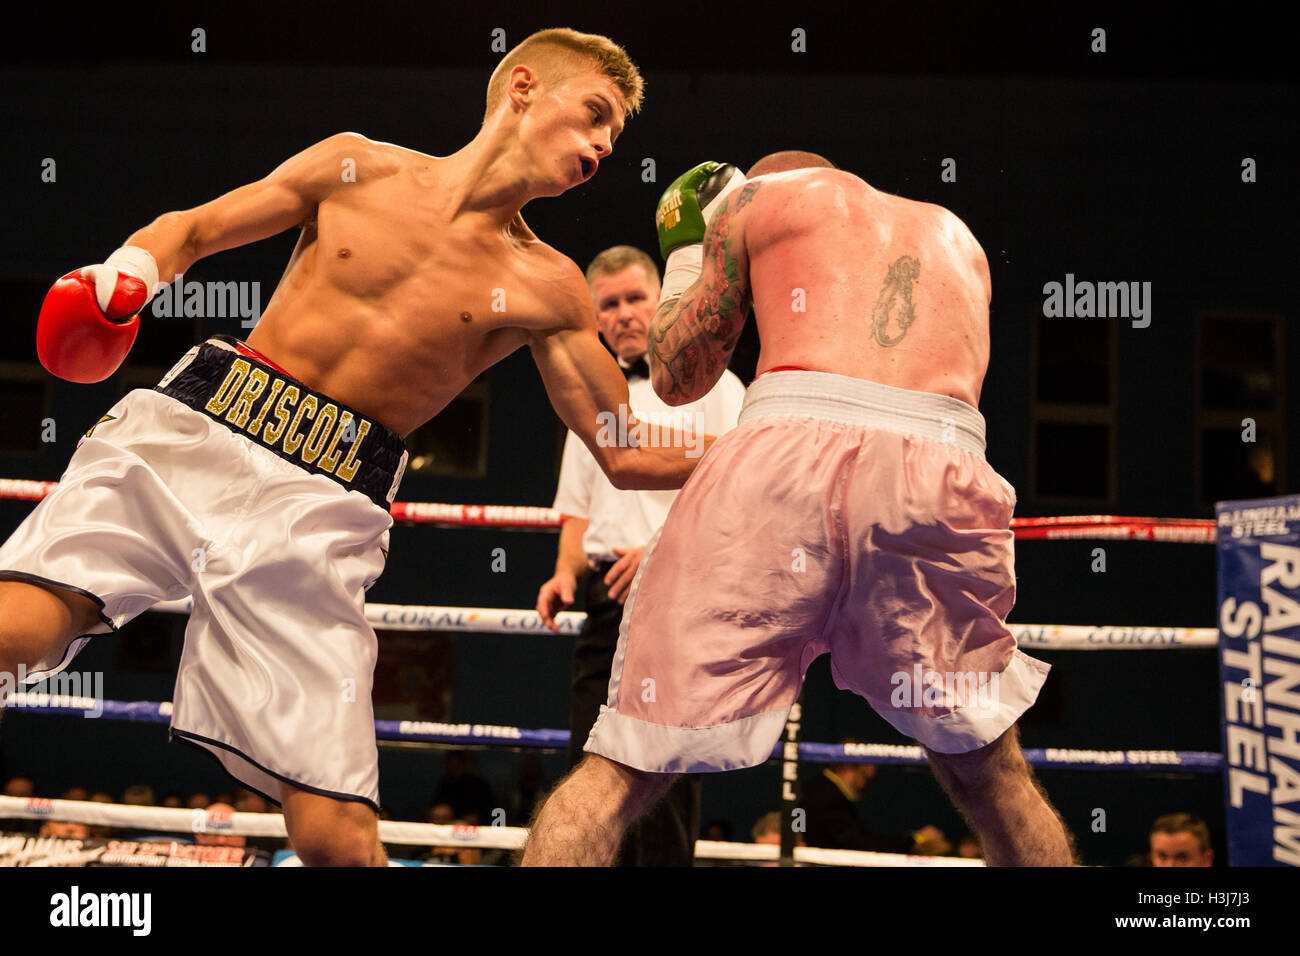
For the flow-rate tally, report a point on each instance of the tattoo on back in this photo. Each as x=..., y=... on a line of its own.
x=746, y=194
x=896, y=301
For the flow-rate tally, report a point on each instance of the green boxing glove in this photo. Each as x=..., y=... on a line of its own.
x=683, y=216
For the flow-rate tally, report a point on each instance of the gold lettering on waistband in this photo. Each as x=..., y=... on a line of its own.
x=219, y=402
x=348, y=470
x=331, y=456
x=243, y=407
x=256, y=423
x=324, y=420
x=273, y=431
x=292, y=439
x=284, y=409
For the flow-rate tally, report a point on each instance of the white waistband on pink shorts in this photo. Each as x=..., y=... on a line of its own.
x=844, y=400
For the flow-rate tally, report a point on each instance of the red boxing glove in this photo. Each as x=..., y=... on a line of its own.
x=89, y=320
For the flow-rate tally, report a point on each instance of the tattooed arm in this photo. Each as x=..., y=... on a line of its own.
x=692, y=337
x=590, y=395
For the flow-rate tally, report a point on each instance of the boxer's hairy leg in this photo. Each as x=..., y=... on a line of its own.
x=329, y=832
x=583, y=821
x=35, y=618
x=995, y=790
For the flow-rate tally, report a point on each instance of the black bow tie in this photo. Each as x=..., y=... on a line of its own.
x=638, y=369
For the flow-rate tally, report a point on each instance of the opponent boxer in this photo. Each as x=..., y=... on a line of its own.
x=258, y=477
x=606, y=530
x=850, y=512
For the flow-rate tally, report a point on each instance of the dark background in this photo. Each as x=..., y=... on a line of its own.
x=1115, y=166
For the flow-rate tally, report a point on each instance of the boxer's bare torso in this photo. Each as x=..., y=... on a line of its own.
x=413, y=273
x=842, y=278
x=895, y=291
x=394, y=300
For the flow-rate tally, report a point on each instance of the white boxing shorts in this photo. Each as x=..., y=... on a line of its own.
x=268, y=502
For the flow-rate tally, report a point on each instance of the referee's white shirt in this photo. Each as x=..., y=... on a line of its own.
x=627, y=519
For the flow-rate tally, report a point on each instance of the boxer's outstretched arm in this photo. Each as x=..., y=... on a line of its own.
x=590, y=395
x=692, y=338
x=285, y=198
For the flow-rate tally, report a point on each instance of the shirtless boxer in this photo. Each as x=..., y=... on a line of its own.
x=850, y=512
x=258, y=477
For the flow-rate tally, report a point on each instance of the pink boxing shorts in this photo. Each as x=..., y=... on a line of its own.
x=844, y=517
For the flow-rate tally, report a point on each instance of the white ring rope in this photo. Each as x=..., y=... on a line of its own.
x=494, y=620
x=172, y=820
x=528, y=517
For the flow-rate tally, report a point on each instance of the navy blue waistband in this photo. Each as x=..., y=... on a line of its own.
x=299, y=424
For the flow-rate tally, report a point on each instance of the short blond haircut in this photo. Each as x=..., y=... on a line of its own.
x=617, y=258
x=558, y=54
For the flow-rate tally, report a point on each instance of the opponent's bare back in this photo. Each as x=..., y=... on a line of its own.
x=893, y=290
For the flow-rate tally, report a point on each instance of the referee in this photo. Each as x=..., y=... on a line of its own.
x=605, y=530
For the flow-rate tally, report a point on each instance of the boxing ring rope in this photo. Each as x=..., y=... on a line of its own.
x=465, y=734
x=528, y=518
x=496, y=620
x=396, y=833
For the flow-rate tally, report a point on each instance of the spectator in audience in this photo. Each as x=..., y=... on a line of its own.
x=76, y=793
x=65, y=830
x=930, y=841
x=198, y=801
x=101, y=832
x=718, y=830
x=212, y=835
x=139, y=795
x=246, y=801
x=448, y=853
x=173, y=800
x=829, y=801
x=469, y=794
x=443, y=815
x=969, y=848
x=1180, y=839
x=768, y=828
x=22, y=787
